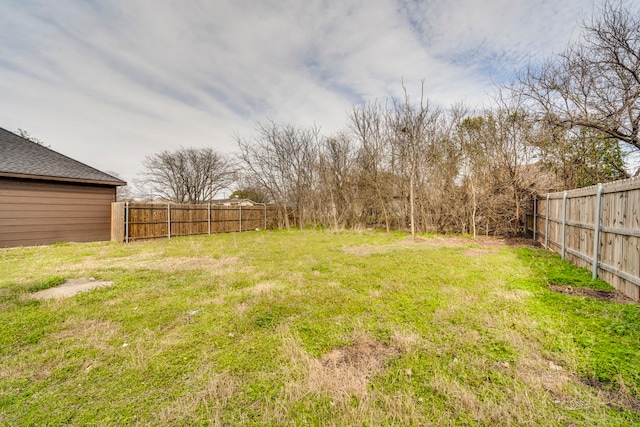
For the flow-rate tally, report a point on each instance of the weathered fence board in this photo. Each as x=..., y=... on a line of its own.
x=594, y=227
x=137, y=221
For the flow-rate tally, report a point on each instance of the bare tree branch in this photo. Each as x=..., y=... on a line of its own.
x=594, y=83
x=187, y=175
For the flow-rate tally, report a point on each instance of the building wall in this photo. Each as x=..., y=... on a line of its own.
x=38, y=213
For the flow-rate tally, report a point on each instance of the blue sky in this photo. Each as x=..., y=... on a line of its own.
x=108, y=82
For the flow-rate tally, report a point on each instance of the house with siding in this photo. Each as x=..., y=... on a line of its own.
x=47, y=197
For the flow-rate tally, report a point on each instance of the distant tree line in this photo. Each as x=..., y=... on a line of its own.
x=409, y=164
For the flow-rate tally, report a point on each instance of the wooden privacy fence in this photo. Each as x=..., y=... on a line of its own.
x=596, y=227
x=137, y=221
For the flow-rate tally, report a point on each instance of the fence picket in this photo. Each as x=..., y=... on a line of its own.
x=596, y=232
x=140, y=220
x=598, y=228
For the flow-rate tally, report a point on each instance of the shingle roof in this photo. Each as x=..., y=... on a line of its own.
x=20, y=157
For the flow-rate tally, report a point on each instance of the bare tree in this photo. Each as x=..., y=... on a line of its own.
x=123, y=192
x=473, y=169
x=594, y=83
x=368, y=126
x=336, y=175
x=415, y=131
x=282, y=159
x=187, y=175
x=24, y=134
x=443, y=205
x=496, y=171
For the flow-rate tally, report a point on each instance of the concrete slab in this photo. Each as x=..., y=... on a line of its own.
x=69, y=288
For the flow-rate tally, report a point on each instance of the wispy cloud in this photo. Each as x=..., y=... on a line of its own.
x=108, y=82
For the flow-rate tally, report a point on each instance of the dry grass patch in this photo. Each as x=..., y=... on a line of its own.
x=622, y=398
x=562, y=387
x=483, y=245
x=543, y=374
x=348, y=370
x=457, y=299
x=343, y=372
x=484, y=242
x=406, y=341
x=154, y=261
x=93, y=332
x=263, y=288
x=367, y=250
x=78, y=333
x=479, y=252
x=512, y=295
x=469, y=387
x=208, y=403
x=241, y=308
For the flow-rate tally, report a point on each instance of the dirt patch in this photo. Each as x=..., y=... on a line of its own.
x=347, y=370
x=522, y=241
x=69, y=288
x=600, y=295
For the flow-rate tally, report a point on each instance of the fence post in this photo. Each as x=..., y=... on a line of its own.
x=168, y=220
x=564, y=224
x=265, y=216
x=209, y=217
x=535, y=211
x=240, y=210
x=596, y=233
x=126, y=222
x=546, y=225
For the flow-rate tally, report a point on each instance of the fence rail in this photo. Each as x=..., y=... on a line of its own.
x=138, y=221
x=596, y=227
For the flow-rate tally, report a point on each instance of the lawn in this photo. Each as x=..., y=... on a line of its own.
x=312, y=328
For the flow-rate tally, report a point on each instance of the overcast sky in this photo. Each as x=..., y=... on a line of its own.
x=108, y=82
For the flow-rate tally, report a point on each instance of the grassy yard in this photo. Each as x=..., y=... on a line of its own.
x=312, y=328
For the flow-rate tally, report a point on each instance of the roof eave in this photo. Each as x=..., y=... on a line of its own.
x=62, y=179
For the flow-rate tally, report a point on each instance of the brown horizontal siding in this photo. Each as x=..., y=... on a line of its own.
x=44, y=189
x=49, y=201
x=53, y=211
x=36, y=213
x=53, y=238
x=49, y=220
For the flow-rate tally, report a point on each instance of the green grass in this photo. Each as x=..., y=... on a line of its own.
x=312, y=328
